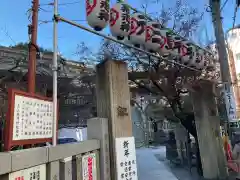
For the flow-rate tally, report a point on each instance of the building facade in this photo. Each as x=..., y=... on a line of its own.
x=233, y=37
x=233, y=42
x=233, y=50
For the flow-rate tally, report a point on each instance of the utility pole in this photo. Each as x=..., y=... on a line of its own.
x=223, y=59
x=33, y=47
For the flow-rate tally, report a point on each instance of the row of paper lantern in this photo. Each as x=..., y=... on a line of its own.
x=135, y=29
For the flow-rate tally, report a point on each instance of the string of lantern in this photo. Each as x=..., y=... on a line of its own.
x=143, y=33
x=150, y=19
x=137, y=31
x=121, y=42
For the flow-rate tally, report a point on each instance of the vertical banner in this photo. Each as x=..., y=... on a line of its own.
x=126, y=158
x=89, y=169
x=230, y=102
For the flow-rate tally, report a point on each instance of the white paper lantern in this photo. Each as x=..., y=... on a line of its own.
x=187, y=52
x=168, y=42
x=153, y=39
x=97, y=13
x=183, y=50
x=120, y=21
x=200, y=59
x=180, y=47
x=127, y=40
x=191, y=55
x=137, y=33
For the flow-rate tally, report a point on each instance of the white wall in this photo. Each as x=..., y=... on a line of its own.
x=234, y=43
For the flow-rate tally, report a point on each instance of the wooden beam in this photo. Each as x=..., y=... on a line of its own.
x=145, y=75
x=65, y=85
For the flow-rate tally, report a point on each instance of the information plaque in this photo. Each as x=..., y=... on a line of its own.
x=89, y=169
x=33, y=173
x=29, y=119
x=126, y=158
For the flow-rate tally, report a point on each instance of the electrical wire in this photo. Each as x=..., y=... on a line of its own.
x=44, y=10
x=61, y=4
x=29, y=14
x=234, y=16
x=8, y=35
x=44, y=22
x=51, y=21
x=209, y=8
x=224, y=4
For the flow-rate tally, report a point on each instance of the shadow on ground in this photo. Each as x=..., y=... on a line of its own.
x=181, y=173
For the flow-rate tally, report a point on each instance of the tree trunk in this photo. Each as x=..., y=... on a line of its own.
x=188, y=121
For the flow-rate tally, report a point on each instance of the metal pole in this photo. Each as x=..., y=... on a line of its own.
x=33, y=47
x=55, y=73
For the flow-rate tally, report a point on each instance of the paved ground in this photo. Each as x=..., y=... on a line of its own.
x=152, y=164
x=180, y=172
x=150, y=168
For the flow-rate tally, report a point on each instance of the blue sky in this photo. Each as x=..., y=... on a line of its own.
x=14, y=21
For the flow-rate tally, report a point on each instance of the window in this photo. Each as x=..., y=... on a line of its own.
x=238, y=56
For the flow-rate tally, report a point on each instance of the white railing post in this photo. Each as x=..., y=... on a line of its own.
x=66, y=169
x=53, y=170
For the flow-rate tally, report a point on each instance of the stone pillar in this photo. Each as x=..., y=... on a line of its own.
x=98, y=129
x=113, y=103
x=181, y=135
x=208, y=130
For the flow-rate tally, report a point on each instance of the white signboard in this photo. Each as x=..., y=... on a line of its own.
x=230, y=103
x=126, y=159
x=89, y=169
x=34, y=173
x=32, y=118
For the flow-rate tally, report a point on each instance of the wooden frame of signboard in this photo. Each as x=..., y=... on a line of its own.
x=9, y=127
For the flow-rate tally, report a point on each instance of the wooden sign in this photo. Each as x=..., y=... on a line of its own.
x=126, y=158
x=89, y=168
x=230, y=103
x=33, y=173
x=29, y=119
